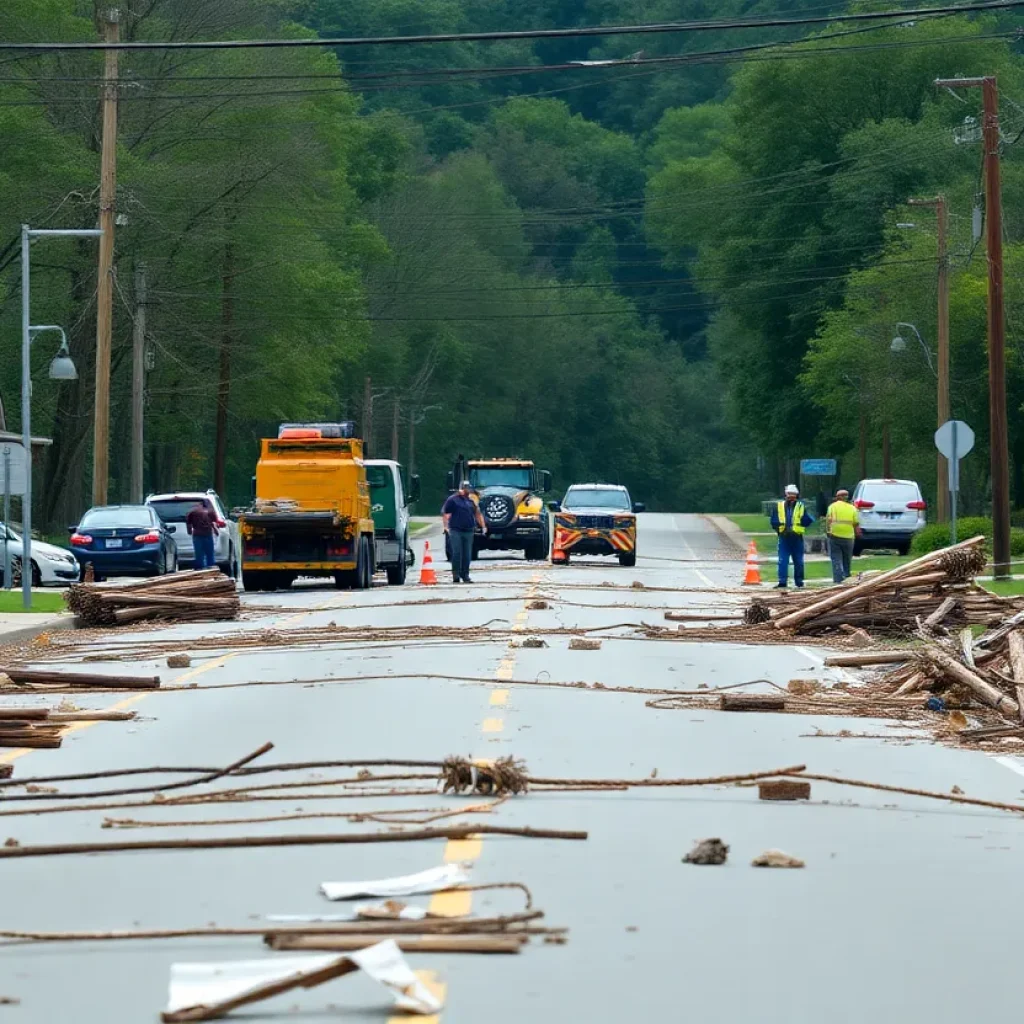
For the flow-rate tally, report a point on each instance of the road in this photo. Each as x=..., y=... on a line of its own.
x=874, y=927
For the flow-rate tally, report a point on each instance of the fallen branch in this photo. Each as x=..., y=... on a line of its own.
x=962, y=674
x=406, y=943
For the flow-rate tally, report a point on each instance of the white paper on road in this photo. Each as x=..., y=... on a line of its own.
x=432, y=880
x=361, y=910
x=206, y=984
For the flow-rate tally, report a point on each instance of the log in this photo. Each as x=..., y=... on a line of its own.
x=912, y=685
x=784, y=789
x=867, y=658
x=751, y=702
x=32, y=740
x=1015, y=654
x=22, y=714
x=57, y=678
x=406, y=943
x=92, y=716
x=991, y=732
x=166, y=600
x=871, y=586
x=936, y=618
x=987, y=693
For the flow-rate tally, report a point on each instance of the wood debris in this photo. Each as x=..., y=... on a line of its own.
x=178, y=661
x=776, y=859
x=207, y=595
x=580, y=644
x=708, y=851
x=784, y=789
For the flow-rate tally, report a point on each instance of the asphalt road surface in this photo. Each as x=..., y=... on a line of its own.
x=906, y=910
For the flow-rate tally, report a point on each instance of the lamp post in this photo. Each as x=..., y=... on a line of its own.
x=941, y=374
x=62, y=368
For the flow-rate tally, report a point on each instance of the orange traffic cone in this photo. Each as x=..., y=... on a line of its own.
x=428, y=577
x=558, y=553
x=753, y=575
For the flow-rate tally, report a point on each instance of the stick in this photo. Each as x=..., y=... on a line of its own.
x=751, y=702
x=985, y=691
x=252, y=842
x=940, y=613
x=620, y=783
x=1015, y=653
x=868, y=586
x=407, y=944
x=58, y=678
x=213, y=776
x=867, y=658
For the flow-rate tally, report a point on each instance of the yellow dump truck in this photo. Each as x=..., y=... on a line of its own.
x=311, y=511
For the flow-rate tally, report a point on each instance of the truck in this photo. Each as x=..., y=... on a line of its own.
x=311, y=513
x=390, y=499
x=508, y=493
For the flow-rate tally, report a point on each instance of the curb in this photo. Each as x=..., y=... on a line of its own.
x=729, y=531
x=29, y=633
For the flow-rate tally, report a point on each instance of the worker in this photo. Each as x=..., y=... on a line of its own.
x=790, y=520
x=201, y=524
x=461, y=516
x=842, y=524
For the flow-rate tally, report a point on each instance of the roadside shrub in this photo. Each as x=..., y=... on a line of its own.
x=937, y=535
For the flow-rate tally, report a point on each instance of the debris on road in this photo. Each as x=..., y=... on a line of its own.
x=407, y=943
x=776, y=859
x=751, y=702
x=206, y=991
x=179, y=661
x=579, y=644
x=531, y=643
x=708, y=851
x=538, y=605
x=432, y=880
x=784, y=789
x=203, y=596
x=23, y=678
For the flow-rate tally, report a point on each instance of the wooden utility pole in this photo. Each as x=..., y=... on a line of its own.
x=998, y=428
x=394, y=430
x=227, y=333
x=943, y=409
x=105, y=286
x=138, y=383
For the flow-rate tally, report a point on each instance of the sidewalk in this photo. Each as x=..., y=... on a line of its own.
x=17, y=628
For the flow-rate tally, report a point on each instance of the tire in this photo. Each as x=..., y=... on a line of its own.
x=285, y=580
x=628, y=559
x=252, y=582
x=232, y=567
x=37, y=576
x=397, y=573
x=536, y=552
x=174, y=563
x=858, y=548
x=904, y=548
x=366, y=583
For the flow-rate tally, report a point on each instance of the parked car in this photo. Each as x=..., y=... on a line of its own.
x=597, y=519
x=124, y=540
x=891, y=513
x=173, y=508
x=51, y=566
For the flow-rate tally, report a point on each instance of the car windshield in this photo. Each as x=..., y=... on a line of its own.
x=378, y=476
x=174, y=510
x=109, y=518
x=500, y=476
x=899, y=493
x=595, y=498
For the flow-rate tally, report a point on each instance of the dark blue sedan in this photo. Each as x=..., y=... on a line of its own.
x=124, y=540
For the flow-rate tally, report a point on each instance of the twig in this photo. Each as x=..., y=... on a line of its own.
x=637, y=783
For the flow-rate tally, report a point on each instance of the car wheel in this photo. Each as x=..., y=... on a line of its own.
x=252, y=582
x=904, y=548
x=37, y=576
x=536, y=552
x=366, y=578
x=396, y=573
x=628, y=558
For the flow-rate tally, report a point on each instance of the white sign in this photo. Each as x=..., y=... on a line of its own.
x=12, y=468
x=954, y=439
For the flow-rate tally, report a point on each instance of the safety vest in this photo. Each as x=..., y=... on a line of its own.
x=843, y=518
x=798, y=515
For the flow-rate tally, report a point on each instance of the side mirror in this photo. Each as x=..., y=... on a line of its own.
x=555, y=506
x=639, y=506
x=545, y=479
x=254, y=487
x=72, y=529
x=414, y=489
x=451, y=482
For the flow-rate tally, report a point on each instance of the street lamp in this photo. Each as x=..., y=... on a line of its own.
x=899, y=344
x=62, y=368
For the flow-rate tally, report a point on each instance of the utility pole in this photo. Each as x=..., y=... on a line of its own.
x=138, y=383
x=394, y=430
x=998, y=429
x=105, y=286
x=943, y=412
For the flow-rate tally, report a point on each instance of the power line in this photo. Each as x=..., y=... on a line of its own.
x=522, y=34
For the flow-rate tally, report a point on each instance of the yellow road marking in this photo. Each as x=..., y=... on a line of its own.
x=438, y=989
x=457, y=903
x=499, y=698
x=124, y=704
x=458, y=850
x=493, y=725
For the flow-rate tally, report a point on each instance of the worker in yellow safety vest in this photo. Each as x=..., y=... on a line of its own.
x=842, y=524
x=790, y=520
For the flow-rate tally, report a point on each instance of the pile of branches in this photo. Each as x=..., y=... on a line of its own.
x=934, y=591
x=207, y=595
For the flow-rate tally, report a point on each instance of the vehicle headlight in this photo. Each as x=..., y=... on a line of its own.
x=529, y=515
x=55, y=557
x=625, y=523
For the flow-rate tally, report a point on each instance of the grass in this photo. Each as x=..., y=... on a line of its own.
x=752, y=522
x=415, y=527
x=863, y=563
x=1005, y=588
x=42, y=602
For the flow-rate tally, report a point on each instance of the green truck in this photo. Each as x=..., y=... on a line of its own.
x=390, y=499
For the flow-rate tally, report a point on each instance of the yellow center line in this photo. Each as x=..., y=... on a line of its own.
x=499, y=698
x=124, y=704
x=493, y=725
x=438, y=989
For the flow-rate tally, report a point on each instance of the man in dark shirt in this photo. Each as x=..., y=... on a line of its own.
x=201, y=524
x=461, y=515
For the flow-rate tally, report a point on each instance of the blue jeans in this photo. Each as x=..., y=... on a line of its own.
x=202, y=547
x=461, y=543
x=791, y=547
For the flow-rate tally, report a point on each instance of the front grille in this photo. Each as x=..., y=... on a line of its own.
x=595, y=522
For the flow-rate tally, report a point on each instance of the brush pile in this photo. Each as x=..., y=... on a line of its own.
x=204, y=596
x=936, y=590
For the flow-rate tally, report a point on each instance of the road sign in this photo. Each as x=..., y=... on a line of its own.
x=954, y=439
x=12, y=468
x=817, y=467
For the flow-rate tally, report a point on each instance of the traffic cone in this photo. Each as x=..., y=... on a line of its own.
x=558, y=553
x=753, y=575
x=428, y=577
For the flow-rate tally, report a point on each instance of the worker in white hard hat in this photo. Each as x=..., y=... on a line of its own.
x=790, y=520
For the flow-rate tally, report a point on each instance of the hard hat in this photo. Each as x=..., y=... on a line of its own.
x=792, y=489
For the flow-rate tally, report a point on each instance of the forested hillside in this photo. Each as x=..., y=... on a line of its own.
x=681, y=270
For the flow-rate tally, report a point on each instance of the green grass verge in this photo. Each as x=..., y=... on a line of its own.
x=1005, y=588
x=863, y=563
x=42, y=602
x=415, y=528
x=752, y=522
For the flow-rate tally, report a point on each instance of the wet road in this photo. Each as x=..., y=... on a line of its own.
x=872, y=928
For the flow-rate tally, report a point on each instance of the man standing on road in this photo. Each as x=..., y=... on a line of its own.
x=201, y=524
x=790, y=520
x=842, y=524
x=461, y=516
